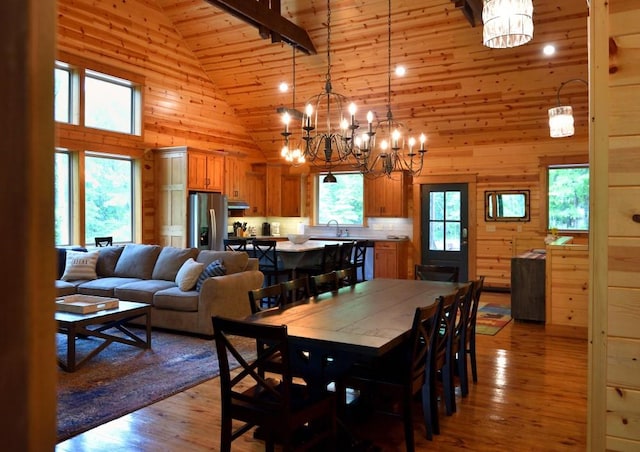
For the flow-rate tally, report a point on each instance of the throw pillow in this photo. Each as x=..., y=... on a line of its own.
x=80, y=265
x=215, y=268
x=188, y=274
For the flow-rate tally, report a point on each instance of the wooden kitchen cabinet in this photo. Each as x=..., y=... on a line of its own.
x=256, y=194
x=205, y=171
x=390, y=259
x=386, y=197
x=274, y=190
x=236, y=184
x=291, y=188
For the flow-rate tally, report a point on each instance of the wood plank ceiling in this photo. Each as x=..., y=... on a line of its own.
x=456, y=90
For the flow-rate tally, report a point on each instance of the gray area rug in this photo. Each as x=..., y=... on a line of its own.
x=122, y=379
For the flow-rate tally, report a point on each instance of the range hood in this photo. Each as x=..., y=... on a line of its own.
x=237, y=205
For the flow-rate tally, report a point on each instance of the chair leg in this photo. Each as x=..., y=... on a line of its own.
x=225, y=435
x=408, y=422
x=430, y=409
x=448, y=389
x=472, y=354
x=463, y=372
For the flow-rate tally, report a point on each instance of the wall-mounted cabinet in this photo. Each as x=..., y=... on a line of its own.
x=256, y=194
x=283, y=193
x=205, y=170
x=386, y=197
x=236, y=184
x=291, y=187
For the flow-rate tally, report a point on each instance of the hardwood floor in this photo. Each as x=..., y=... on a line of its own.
x=531, y=395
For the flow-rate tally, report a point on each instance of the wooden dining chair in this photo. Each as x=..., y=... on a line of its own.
x=358, y=261
x=295, y=290
x=269, y=264
x=325, y=282
x=103, y=241
x=404, y=371
x=328, y=262
x=265, y=298
x=464, y=302
x=346, y=277
x=235, y=244
x=436, y=273
x=469, y=340
x=280, y=407
x=346, y=253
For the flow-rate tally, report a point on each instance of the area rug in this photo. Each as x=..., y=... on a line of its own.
x=122, y=379
x=492, y=318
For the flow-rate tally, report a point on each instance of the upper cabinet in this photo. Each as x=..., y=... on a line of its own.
x=386, y=197
x=205, y=170
x=256, y=194
x=236, y=185
x=291, y=188
x=284, y=192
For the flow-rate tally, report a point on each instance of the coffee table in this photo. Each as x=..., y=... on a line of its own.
x=97, y=324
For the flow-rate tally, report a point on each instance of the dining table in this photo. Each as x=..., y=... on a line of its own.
x=332, y=331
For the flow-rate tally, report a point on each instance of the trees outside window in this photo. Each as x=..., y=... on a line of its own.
x=342, y=201
x=62, y=196
x=568, y=198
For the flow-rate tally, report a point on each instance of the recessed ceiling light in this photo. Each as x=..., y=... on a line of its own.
x=400, y=71
x=549, y=50
x=284, y=87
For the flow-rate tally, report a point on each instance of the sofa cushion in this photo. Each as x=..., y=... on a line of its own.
x=107, y=259
x=176, y=300
x=80, y=265
x=103, y=287
x=170, y=261
x=141, y=291
x=66, y=287
x=137, y=261
x=215, y=268
x=188, y=274
x=234, y=261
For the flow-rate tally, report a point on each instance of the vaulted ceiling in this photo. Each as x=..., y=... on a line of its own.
x=457, y=91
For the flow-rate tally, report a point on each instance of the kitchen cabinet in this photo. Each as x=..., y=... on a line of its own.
x=291, y=187
x=386, y=197
x=205, y=171
x=390, y=259
x=274, y=190
x=236, y=185
x=256, y=194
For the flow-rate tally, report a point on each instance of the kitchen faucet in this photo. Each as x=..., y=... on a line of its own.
x=338, y=230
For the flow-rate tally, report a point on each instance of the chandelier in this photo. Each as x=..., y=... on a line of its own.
x=561, y=116
x=328, y=135
x=393, y=153
x=507, y=23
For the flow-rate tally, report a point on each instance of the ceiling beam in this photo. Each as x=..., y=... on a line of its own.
x=472, y=10
x=268, y=21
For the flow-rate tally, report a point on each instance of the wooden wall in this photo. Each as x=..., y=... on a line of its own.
x=181, y=104
x=614, y=406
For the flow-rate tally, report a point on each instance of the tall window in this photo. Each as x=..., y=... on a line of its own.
x=109, y=103
x=62, y=93
x=108, y=198
x=342, y=201
x=62, y=193
x=568, y=198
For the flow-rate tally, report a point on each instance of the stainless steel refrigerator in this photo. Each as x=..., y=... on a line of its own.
x=207, y=220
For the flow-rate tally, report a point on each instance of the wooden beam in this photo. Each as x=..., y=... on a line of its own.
x=472, y=10
x=269, y=22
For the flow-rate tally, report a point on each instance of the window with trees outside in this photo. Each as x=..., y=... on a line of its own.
x=108, y=198
x=342, y=201
x=568, y=198
x=62, y=194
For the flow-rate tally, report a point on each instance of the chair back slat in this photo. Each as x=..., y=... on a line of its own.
x=265, y=297
x=325, y=282
x=436, y=273
x=295, y=290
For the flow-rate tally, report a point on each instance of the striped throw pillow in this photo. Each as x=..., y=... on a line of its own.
x=80, y=266
x=215, y=268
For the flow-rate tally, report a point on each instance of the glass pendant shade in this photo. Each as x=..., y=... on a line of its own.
x=561, y=121
x=507, y=23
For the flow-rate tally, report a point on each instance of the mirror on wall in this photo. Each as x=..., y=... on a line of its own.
x=506, y=205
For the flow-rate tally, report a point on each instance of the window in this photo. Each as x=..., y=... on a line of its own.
x=568, y=197
x=110, y=103
x=342, y=201
x=62, y=193
x=62, y=94
x=444, y=220
x=108, y=198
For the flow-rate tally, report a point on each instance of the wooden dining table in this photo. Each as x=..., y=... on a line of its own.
x=334, y=330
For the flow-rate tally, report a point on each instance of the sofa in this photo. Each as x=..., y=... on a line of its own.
x=184, y=286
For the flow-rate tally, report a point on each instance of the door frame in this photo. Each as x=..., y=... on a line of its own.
x=471, y=181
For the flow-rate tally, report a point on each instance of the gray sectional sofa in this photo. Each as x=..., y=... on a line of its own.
x=147, y=274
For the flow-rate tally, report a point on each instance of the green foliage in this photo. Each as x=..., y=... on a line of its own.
x=569, y=198
x=342, y=201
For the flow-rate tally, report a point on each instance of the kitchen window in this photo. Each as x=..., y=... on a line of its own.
x=342, y=201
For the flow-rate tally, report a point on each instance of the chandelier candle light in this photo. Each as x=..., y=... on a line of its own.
x=290, y=152
x=507, y=23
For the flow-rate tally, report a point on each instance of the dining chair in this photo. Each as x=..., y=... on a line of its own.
x=346, y=277
x=103, y=241
x=295, y=290
x=405, y=371
x=359, y=258
x=235, y=244
x=469, y=340
x=346, y=252
x=436, y=272
x=328, y=262
x=265, y=297
x=464, y=295
x=325, y=282
x=268, y=262
x=279, y=407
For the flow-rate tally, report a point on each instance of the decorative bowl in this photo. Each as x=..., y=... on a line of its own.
x=297, y=238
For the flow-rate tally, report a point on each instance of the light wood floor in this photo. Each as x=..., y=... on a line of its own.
x=531, y=395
